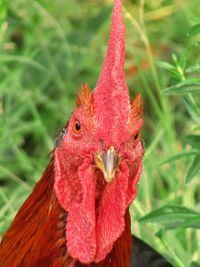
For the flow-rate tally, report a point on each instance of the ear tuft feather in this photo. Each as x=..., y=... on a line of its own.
x=136, y=109
x=84, y=99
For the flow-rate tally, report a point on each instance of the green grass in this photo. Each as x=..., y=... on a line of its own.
x=47, y=49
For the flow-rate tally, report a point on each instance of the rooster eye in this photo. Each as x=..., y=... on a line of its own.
x=77, y=127
x=136, y=136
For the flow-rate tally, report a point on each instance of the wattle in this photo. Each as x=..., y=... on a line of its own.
x=92, y=228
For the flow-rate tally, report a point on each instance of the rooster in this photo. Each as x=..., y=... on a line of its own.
x=77, y=214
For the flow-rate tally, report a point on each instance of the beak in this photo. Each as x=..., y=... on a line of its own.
x=107, y=162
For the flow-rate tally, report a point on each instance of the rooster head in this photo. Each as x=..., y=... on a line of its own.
x=98, y=161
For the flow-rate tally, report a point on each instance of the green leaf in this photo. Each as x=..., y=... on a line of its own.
x=178, y=156
x=197, y=128
x=192, y=222
x=193, y=140
x=195, y=19
x=192, y=107
x=194, y=30
x=169, y=67
x=191, y=85
x=194, y=169
x=171, y=216
x=175, y=58
x=165, y=65
x=195, y=264
x=182, y=61
x=3, y=10
x=193, y=68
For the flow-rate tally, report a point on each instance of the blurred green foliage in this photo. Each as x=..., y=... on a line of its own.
x=48, y=48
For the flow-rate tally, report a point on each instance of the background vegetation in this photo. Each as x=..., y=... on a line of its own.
x=48, y=48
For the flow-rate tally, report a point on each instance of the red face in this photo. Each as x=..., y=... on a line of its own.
x=95, y=181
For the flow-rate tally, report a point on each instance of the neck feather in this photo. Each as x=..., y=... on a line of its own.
x=36, y=237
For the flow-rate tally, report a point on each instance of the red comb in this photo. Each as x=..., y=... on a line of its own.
x=111, y=99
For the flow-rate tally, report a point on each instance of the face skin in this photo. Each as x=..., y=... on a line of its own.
x=95, y=180
x=82, y=140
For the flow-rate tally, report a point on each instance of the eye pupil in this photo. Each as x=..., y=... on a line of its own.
x=77, y=126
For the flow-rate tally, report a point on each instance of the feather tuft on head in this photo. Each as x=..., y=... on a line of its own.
x=84, y=99
x=136, y=111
